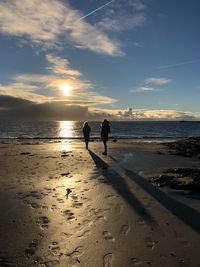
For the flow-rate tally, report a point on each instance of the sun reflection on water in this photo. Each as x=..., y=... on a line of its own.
x=66, y=131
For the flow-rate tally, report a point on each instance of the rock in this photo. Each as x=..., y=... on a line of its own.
x=179, y=179
x=189, y=147
x=162, y=178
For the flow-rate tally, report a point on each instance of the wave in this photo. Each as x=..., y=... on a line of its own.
x=123, y=137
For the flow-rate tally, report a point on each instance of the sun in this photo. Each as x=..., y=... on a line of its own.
x=65, y=88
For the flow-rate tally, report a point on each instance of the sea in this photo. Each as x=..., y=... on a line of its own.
x=138, y=131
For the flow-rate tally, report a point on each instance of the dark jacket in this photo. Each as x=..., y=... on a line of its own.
x=105, y=130
x=86, y=131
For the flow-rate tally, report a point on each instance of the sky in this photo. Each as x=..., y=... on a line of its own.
x=91, y=59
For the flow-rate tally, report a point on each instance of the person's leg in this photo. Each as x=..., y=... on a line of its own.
x=105, y=147
x=86, y=143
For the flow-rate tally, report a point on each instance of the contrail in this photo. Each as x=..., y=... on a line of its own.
x=179, y=64
x=96, y=10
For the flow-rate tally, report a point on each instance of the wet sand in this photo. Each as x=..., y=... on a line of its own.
x=61, y=205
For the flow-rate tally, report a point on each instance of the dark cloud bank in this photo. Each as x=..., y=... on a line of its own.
x=17, y=109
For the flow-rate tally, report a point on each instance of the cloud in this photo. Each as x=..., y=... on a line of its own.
x=50, y=111
x=136, y=44
x=122, y=16
x=143, y=89
x=149, y=84
x=138, y=5
x=42, y=88
x=12, y=102
x=154, y=114
x=61, y=66
x=120, y=22
x=18, y=109
x=87, y=36
x=157, y=81
x=50, y=23
x=27, y=91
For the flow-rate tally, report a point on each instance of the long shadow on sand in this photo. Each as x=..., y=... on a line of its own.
x=121, y=187
x=188, y=215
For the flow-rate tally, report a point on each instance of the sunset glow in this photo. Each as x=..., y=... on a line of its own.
x=99, y=59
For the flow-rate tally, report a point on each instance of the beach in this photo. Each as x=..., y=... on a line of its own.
x=63, y=205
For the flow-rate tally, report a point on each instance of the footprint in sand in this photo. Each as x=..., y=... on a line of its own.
x=74, y=197
x=54, y=207
x=107, y=236
x=55, y=249
x=84, y=234
x=30, y=251
x=88, y=222
x=142, y=222
x=65, y=174
x=125, y=229
x=107, y=260
x=85, y=190
x=64, y=155
x=52, y=263
x=69, y=214
x=35, y=194
x=34, y=206
x=20, y=195
x=77, y=204
x=77, y=252
x=60, y=200
x=118, y=208
x=67, y=235
x=101, y=218
x=78, y=181
x=139, y=263
x=74, y=255
x=43, y=222
x=150, y=243
x=34, y=243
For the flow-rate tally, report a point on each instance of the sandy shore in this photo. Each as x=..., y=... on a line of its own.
x=111, y=216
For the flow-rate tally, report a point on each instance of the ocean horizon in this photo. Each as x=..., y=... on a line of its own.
x=139, y=130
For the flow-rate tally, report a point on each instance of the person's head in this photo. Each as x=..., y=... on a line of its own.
x=106, y=121
x=85, y=124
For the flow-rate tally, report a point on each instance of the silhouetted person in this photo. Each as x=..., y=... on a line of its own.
x=86, y=133
x=105, y=130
